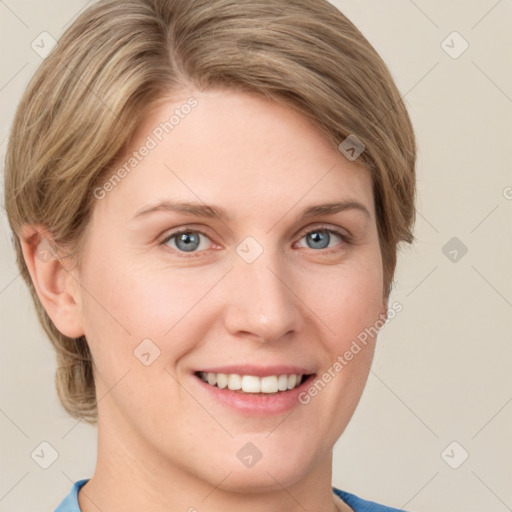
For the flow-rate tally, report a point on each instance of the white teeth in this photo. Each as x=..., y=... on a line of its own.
x=269, y=384
x=251, y=383
x=222, y=380
x=234, y=382
x=282, y=382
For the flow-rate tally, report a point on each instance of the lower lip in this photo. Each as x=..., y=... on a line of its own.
x=257, y=403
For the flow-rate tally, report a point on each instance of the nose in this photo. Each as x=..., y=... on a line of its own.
x=261, y=303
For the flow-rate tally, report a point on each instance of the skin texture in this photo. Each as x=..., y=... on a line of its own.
x=163, y=442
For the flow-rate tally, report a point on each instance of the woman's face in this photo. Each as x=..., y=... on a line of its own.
x=254, y=287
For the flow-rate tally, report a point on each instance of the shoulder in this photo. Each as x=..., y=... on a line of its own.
x=360, y=505
x=70, y=502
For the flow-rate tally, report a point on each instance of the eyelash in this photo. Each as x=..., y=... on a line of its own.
x=347, y=239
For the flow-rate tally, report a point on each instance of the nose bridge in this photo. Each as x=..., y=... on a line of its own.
x=261, y=301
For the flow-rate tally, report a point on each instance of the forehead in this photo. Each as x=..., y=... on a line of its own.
x=237, y=149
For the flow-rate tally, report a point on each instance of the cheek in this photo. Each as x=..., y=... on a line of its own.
x=348, y=304
x=126, y=303
x=349, y=300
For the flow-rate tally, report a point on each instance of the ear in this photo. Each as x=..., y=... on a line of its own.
x=56, y=285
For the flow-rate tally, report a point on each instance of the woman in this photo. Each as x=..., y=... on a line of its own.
x=208, y=198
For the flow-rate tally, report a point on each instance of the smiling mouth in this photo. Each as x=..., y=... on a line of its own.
x=271, y=384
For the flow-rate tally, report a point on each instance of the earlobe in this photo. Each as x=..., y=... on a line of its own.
x=55, y=285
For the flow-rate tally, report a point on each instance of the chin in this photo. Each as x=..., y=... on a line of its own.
x=256, y=481
x=271, y=472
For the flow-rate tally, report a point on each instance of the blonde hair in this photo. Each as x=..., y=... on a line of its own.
x=120, y=57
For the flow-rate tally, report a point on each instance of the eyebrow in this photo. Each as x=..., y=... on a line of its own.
x=210, y=211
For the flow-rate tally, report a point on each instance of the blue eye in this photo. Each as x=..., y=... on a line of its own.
x=321, y=238
x=186, y=241
x=193, y=241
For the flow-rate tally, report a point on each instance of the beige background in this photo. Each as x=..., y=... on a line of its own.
x=442, y=370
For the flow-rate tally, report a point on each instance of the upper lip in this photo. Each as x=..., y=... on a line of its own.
x=259, y=371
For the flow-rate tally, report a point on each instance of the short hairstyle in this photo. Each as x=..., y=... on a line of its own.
x=121, y=57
